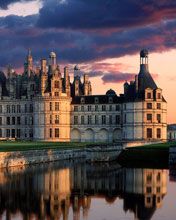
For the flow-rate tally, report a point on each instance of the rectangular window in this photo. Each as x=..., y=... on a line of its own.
x=18, y=120
x=0, y=108
x=159, y=96
x=96, y=120
x=57, y=132
x=18, y=109
x=149, y=105
x=110, y=119
x=75, y=120
x=110, y=108
x=149, y=133
x=25, y=121
x=89, y=121
x=51, y=119
x=7, y=133
x=82, y=119
x=56, y=119
x=0, y=120
x=103, y=119
x=56, y=106
x=8, y=120
x=149, y=178
x=158, y=132
x=50, y=106
x=56, y=94
x=96, y=108
x=82, y=108
x=158, y=105
x=148, y=189
x=125, y=118
x=103, y=107
x=56, y=84
x=0, y=133
x=89, y=108
x=13, y=133
x=31, y=107
x=158, y=189
x=13, y=120
x=13, y=108
x=50, y=132
x=117, y=119
x=149, y=117
x=117, y=107
x=158, y=118
x=75, y=108
x=149, y=95
x=8, y=108
x=25, y=108
x=18, y=133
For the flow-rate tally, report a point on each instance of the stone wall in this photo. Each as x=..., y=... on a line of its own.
x=21, y=158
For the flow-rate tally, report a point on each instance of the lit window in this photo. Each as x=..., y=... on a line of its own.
x=158, y=132
x=149, y=117
x=56, y=84
x=56, y=132
x=149, y=95
x=149, y=105
x=57, y=106
x=158, y=105
x=149, y=133
x=158, y=118
x=56, y=119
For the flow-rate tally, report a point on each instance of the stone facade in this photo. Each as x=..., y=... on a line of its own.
x=43, y=104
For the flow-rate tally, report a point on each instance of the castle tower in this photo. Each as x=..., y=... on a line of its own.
x=67, y=81
x=28, y=66
x=44, y=76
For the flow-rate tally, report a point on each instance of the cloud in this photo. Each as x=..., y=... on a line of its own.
x=83, y=14
x=5, y=3
x=117, y=77
x=75, y=45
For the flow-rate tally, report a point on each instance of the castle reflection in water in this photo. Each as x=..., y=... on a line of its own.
x=46, y=192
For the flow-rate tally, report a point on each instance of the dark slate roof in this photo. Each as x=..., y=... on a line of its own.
x=145, y=80
x=110, y=92
x=97, y=99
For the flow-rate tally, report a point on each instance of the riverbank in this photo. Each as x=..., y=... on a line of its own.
x=154, y=154
x=46, y=154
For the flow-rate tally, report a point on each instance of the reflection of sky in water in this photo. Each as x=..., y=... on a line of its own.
x=90, y=192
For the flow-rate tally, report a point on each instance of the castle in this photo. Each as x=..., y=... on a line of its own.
x=43, y=104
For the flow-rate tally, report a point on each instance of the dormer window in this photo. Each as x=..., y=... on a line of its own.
x=56, y=84
x=82, y=100
x=96, y=100
x=149, y=95
x=159, y=96
x=110, y=100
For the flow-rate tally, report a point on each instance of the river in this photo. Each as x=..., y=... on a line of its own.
x=78, y=191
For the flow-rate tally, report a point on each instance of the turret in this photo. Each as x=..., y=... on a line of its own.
x=52, y=62
x=145, y=80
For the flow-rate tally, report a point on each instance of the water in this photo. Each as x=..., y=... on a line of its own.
x=82, y=191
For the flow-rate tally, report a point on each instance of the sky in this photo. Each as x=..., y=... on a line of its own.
x=104, y=37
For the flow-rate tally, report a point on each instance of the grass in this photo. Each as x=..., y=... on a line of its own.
x=6, y=146
x=154, y=154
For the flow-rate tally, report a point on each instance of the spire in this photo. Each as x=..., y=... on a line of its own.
x=29, y=52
